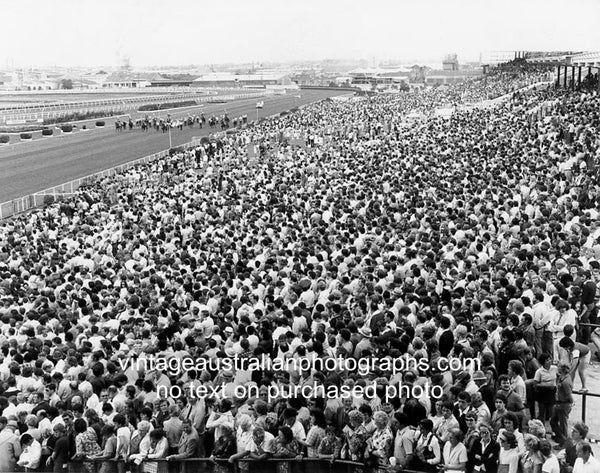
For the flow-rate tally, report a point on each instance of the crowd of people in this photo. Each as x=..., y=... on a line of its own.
x=158, y=123
x=352, y=236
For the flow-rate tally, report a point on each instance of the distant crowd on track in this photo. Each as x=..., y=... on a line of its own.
x=165, y=123
x=465, y=248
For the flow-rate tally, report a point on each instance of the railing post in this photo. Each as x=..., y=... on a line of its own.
x=583, y=406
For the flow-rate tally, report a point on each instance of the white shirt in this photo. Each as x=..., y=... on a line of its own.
x=591, y=466
x=551, y=465
x=30, y=457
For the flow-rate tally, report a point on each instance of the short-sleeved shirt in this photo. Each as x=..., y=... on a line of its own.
x=265, y=447
x=455, y=455
x=551, y=465
x=543, y=375
x=403, y=444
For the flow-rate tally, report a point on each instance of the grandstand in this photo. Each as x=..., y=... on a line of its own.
x=334, y=287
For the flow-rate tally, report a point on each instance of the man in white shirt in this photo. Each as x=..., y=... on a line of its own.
x=290, y=419
x=404, y=441
x=585, y=462
x=123, y=437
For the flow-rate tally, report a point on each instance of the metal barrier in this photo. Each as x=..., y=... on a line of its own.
x=207, y=465
x=28, y=202
x=46, y=111
x=23, y=204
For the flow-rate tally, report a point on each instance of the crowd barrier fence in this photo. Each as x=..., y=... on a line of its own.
x=62, y=191
x=207, y=465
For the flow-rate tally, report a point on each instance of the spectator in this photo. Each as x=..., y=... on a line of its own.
x=109, y=450
x=485, y=451
x=531, y=460
x=159, y=449
x=428, y=453
x=585, y=460
x=455, y=453
x=551, y=463
x=508, y=460
x=31, y=453
x=86, y=443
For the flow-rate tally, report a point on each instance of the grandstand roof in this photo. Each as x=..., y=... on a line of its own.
x=587, y=58
x=223, y=77
x=124, y=76
x=379, y=72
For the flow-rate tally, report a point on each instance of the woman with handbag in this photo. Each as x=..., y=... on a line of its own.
x=427, y=450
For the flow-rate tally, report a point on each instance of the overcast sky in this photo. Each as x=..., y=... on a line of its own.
x=177, y=32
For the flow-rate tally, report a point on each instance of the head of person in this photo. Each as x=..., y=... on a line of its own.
x=59, y=430
x=580, y=431
x=507, y=440
x=532, y=443
x=545, y=360
x=537, y=428
x=67, y=417
x=366, y=411
x=26, y=440
x=285, y=434
x=447, y=408
x=455, y=436
x=584, y=450
x=156, y=435
x=289, y=415
x=510, y=422
x=108, y=431
x=380, y=419
x=504, y=382
x=426, y=426
x=186, y=426
x=258, y=435
x=355, y=418
x=471, y=420
x=500, y=402
x=144, y=427
x=485, y=431
x=245, y=422
x=80, y=426
x=226, y=405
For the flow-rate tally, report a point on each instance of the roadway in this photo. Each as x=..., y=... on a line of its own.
x=30, y=167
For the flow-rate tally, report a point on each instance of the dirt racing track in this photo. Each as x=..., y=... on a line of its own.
x=30, y=167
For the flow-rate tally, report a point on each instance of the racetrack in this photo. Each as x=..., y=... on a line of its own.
x=30, y=167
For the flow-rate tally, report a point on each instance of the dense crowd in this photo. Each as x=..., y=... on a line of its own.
x=351, y=236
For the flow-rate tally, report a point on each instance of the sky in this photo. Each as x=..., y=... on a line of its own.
x=180, y=32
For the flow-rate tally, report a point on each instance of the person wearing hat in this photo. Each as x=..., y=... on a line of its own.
x=10, y=446
x=365, y=344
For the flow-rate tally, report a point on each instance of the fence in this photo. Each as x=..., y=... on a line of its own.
x=207, y=465
x=23, y=204
x=49, y=111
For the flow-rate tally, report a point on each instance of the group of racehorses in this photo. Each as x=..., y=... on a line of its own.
x=165, y=123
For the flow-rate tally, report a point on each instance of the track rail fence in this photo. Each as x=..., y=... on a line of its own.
x=48, y=111
x=62, y=191
x=208, y=465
